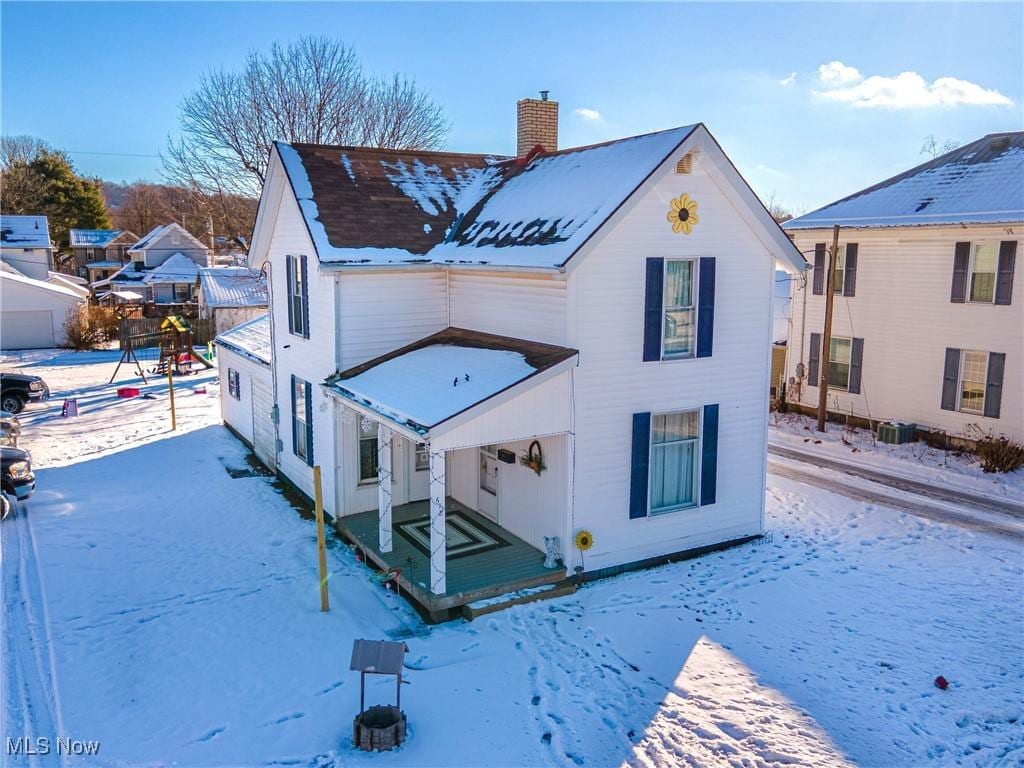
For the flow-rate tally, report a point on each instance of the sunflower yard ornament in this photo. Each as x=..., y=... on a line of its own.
x=682, y=214
x=584, y=540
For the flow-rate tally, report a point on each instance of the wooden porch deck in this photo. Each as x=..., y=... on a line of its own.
x=512, y=565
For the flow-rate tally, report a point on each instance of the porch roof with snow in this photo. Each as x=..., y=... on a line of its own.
x=421, y=386
x=979, y=183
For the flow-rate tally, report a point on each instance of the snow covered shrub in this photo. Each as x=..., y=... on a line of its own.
x=83, y=327
x=999, y=454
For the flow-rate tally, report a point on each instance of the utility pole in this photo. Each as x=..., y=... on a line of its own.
x=213, y=244
x=826, y=336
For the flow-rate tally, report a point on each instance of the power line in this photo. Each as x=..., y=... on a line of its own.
x=109, y=154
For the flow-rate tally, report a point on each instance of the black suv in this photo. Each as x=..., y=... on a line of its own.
x=16, y=477
x=16, y=389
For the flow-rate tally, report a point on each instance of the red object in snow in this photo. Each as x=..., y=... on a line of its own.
x=128, y=392
x=200, y=390
x=941, y=683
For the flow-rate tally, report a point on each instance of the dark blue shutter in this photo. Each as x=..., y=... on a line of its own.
x=705, y=306
x=640, y=465
x=309, y=421
x=289, y=268
x=295, y=426
x=305, y=298
x=950, y=375
x=1004, y=272
x=856, y=363
x=819, y=269
x=813, y=357
x=654, y=293
x=850, y=272
x=961, y=260
x=709, y=455
x=994, y=383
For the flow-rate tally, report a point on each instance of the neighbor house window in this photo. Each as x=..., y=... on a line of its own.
x=839, y=363
x=302, y=436
x=680, y=324
x=368, y=464
x=422, y=457
x=839, y=273
x=298, y=304
x=984, y=257
x=233, y=385
x=973, y=367
x=181, y=292
x=675, y=439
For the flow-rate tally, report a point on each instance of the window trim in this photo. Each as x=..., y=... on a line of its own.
x=297, y=291
x=971, y=261
x=849, y=365
x=960, y=382
x=694, y=305
x=697, y=461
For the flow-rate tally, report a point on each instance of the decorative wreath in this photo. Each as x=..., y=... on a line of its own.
x=584, y=540
x=682, y=214
x=534, y=458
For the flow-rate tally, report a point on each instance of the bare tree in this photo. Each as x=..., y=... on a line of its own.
x=146, y=205
x=779, y=210
x=932, y=148
x=313, y=90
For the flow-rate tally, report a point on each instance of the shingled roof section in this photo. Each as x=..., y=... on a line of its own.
x=977, y=183
x=358, y=202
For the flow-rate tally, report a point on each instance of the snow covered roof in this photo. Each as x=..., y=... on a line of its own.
x=465, y=209
x=151, y=237
x=177, y=269
x=24, y=232
x=104, y=265
x=982, y=182
x=232, y=287
x=52, y=288
x=93, y=238
x=250, y=339
x=453, y=370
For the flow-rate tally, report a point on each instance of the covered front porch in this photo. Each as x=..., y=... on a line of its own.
x=483, y=560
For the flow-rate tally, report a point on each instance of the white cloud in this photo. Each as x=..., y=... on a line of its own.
x=788, y=80
x=908, y=90
x=588, y=114
x=837, y=73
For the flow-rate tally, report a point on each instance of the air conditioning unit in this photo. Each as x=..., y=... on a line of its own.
x=897, y=432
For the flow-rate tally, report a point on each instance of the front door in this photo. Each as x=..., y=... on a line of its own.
x=487, y=503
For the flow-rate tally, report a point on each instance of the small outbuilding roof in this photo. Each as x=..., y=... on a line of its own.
x=93, y=238
x=232, y=287
x=251, y=339
x=24, y=232
x=979, y=183
x=50, y=288
x=453, y=370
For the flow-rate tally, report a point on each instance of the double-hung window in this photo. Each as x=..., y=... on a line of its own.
x=302, y=434
x=839, y=358
x=368, y=461
x=298, y=296
x=422, y=457
x=982, y=286
x=675, y=448
x=182, y=292
x=680, y=308
x=839, y=274
x=973, y=368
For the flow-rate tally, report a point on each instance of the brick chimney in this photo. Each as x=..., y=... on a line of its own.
x=536, y=123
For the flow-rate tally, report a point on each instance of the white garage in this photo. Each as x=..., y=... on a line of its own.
x=246, y=386
x=32, y=313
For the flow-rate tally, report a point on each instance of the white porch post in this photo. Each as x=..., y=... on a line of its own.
x=438, y=531
x=384, y=487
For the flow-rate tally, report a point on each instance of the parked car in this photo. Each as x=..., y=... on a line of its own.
x=17, y=389
x=16, y=477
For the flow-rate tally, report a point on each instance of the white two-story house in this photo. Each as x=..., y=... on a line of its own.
x=928, y=319
x=511, y=370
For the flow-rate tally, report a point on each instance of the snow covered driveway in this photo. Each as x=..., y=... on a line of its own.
x=170, y=611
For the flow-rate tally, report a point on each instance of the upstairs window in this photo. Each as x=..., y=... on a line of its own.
x=680, y=323
x=840, y=271
x=298, y=296
x=983, y=273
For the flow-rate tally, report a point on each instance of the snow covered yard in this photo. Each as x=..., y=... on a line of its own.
x=173, y=615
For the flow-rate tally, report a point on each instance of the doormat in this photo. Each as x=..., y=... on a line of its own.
x=464, y=537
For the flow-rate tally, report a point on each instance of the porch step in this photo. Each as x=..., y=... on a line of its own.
x=471, y=611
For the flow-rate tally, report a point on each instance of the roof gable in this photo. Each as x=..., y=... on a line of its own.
x=153, y=240
x=94, y=238
x=977, y=183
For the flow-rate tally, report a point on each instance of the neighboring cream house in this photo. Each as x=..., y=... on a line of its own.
x=928, y=324
x=26, y=246
x=493, y=358
x=229, y=296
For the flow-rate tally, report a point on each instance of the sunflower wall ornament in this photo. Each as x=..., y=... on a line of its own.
x=584, y=540
x=682, y=214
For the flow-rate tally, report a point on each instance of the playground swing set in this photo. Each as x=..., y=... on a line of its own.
x=174, y=343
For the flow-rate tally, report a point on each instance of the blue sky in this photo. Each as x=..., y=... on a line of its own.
x=108, y=78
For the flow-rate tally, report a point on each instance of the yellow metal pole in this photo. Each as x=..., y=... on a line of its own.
x=170, y=390
x=321, y=542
